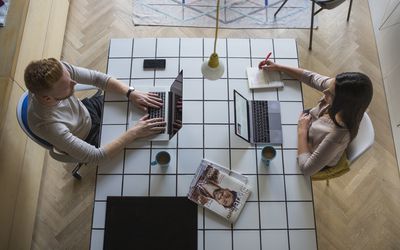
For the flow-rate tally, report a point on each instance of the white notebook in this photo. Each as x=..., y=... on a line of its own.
x=259, y=79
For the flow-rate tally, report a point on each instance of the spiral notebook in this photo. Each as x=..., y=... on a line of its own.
x=259, y=79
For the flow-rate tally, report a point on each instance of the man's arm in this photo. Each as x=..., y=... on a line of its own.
x=65, y=141
x=144, y=128
x=107, y=83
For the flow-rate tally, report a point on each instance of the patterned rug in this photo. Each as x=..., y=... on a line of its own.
x=233, y=13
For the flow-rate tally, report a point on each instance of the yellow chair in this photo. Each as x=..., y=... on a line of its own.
x=328, y=173
x=361, y=143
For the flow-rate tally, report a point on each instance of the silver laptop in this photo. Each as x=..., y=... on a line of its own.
x=171, y=111
x=257, y=121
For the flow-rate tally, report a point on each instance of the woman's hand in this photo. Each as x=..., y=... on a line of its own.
x=144, y=100
x=269, y=65
x=146, y=127
x=303, y=124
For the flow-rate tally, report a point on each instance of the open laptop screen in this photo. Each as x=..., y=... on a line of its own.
x=241, y=116
x=175, y=104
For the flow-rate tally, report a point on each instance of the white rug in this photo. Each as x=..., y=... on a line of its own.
x=233, y=13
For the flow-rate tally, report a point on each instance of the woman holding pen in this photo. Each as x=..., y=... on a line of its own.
x=325, y=131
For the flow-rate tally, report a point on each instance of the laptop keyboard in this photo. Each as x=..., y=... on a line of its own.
x=158, y=112
x=260, y=121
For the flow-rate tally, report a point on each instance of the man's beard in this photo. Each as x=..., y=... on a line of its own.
x=68, y=96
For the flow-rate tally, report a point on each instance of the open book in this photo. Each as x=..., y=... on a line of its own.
x=219, y=189
x=263, y=79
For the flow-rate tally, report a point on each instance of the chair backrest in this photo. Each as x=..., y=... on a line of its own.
x=22, y=117
x=363, y=141
x=328, y=4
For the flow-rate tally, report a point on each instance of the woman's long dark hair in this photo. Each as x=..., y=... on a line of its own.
x=353, y=93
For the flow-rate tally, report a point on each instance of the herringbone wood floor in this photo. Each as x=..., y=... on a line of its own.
x=360, y=210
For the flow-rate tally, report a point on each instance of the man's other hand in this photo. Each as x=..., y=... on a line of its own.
x=145, y=100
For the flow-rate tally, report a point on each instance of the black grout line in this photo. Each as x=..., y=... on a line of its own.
x=312, y=190
x=197, y=57
x=127, y=124
x=257, y=176
x=229, y=128
x=177, y=138
x=203, y=150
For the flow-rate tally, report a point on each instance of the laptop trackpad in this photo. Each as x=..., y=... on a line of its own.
x=135, y=114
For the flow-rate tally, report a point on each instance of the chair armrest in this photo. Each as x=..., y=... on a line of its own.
x=81, y=87
x=60, y=156
x=85, y=87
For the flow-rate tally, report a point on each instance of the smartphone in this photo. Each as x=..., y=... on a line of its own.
x=154, y=64
x=306, y=111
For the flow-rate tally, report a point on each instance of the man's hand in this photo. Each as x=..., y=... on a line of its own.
x=146, y=127
x=144, y=100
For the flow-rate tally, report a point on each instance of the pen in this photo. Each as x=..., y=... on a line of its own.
x=269, y=54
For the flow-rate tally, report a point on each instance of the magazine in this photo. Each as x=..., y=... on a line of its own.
x=259, y=79
x=219, y=189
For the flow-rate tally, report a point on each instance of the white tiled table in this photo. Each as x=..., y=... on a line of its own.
x=279, y=213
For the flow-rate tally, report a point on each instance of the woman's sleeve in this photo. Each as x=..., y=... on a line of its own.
x=316, y=81
x=328, y=149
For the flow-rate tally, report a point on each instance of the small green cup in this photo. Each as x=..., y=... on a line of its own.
x=162, y=159
x=268, y=153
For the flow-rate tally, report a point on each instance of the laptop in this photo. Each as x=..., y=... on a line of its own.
x=171, y=111
x=257, y=121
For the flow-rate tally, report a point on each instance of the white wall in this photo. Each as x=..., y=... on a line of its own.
x=387, y=35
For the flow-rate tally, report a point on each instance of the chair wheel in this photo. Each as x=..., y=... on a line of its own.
x=77, y=176
x=75, y=172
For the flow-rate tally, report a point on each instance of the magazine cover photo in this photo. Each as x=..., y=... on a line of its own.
x=214, y=188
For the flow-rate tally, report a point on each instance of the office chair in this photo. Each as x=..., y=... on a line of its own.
x=22, y=117
x=363, y=141
x=324, y=5
x=359, y=145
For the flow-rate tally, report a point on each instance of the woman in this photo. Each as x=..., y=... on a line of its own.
x=325, y=131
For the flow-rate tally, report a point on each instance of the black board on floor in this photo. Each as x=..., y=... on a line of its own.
x=150, y=223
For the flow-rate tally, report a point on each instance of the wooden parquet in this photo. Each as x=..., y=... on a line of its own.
x=360, y=210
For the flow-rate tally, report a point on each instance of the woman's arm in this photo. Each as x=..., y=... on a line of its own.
x=312, y=79
x=332, y=145
x=302, y=133
x=296, y=73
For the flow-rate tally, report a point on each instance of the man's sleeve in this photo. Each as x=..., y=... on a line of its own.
x=63, y=140
x=87, y=76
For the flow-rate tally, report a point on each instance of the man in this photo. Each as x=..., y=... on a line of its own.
x=72, y=126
